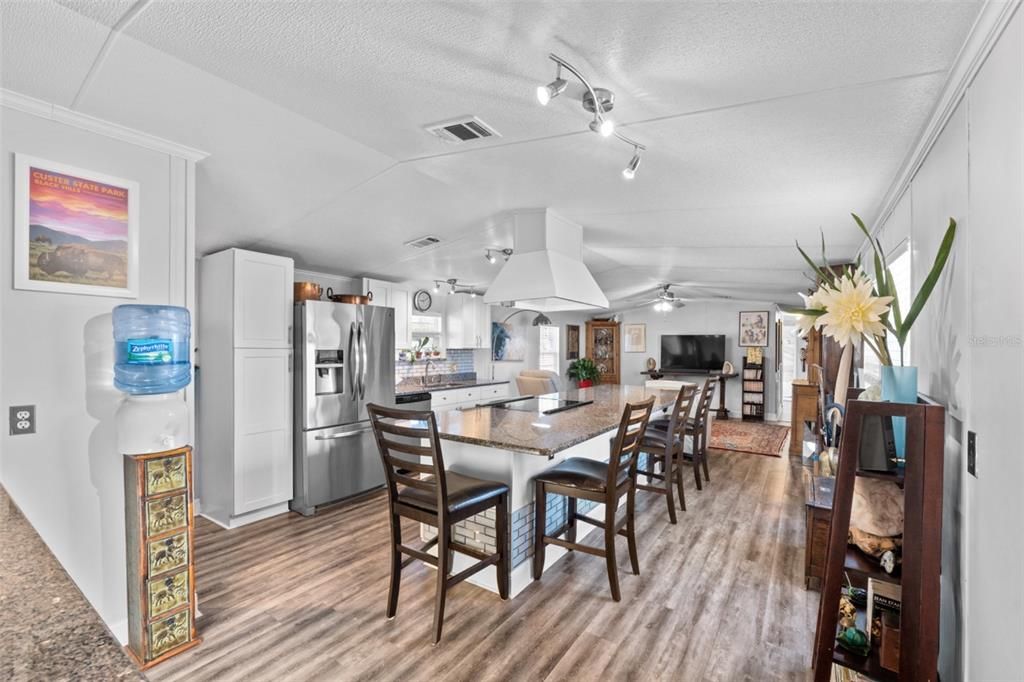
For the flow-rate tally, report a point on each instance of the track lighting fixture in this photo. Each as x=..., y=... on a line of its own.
x=437, y=286
x=546, y=93
x=630, y=171
x=492, y=259
x=597, y=101
x=604, y=128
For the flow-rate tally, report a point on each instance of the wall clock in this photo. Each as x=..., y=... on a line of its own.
x=421, y=300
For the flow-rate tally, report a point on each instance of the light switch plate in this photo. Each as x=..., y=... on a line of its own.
x=22, y=419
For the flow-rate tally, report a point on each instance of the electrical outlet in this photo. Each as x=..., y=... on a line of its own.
x=972, y=453
x=23, y=419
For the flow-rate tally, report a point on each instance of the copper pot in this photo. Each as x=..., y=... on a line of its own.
x=308, y=291
x=350, y=298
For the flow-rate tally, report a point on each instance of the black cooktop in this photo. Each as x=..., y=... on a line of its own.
x=544, y=404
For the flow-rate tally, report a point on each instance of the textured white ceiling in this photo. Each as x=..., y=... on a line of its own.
x=765, y=122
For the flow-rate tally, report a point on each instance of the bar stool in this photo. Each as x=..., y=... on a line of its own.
x=587, y=479
x=697, y=428
x=429, y=494
x=665, y=447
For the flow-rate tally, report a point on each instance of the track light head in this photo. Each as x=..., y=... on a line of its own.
x=437, y=286
x=490, y=257
x=602, y=126
x=629, y=172
x=546, y=93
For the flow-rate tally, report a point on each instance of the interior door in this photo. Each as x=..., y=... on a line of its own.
x=263, y=428
x=378, y=357
x=264, y=291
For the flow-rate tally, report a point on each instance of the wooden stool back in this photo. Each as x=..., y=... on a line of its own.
x=626, y=446
x=402, y=460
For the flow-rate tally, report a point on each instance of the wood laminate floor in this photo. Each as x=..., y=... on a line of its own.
x=720, y=597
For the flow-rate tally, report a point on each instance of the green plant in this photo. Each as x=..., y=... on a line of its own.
x=584, y=369
x=884, y=287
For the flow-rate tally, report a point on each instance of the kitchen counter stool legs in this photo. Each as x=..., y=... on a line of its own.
x=428, y=494
x=588, y=479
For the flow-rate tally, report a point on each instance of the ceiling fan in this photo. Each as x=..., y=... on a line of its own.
x=664, y=301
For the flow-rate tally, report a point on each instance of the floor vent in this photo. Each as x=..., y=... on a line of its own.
x=462, y=130
x=423, y=242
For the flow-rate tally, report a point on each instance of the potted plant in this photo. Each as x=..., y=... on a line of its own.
x=584, y=371
x=417, y=349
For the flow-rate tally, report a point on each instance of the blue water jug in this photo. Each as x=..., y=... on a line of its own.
x=151, y=349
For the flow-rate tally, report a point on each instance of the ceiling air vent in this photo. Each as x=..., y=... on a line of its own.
x=423, y=242
x=462, y=130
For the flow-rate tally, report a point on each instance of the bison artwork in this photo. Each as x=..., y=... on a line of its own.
x=78, y=260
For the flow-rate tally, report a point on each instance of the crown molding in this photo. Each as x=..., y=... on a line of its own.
x=992, y=20
x=55, y=112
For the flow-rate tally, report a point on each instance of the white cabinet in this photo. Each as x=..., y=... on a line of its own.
x=466, y=397
x=468, y=322
x=264, y=286
x=391, y=295
x=243, y=457
x=263, y=428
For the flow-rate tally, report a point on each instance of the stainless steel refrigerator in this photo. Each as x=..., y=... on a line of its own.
x=345, y=358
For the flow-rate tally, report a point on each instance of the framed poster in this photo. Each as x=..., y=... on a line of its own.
x=75, y=231
x=634, y=338
x=572, y=342
x=754, y=329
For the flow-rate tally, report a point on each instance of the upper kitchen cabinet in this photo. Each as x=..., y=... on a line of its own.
x=262, y=287
x=391, y=295
x=468, y=322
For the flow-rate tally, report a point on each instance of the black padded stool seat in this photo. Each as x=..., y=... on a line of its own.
x=579, y=472
x=463, y=492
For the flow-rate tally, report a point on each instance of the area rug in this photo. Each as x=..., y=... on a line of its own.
x=753, y=437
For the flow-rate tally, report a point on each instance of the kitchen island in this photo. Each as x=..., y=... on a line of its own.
x=513, y=444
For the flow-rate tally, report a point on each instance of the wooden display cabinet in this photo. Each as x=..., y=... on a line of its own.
x=604, y=345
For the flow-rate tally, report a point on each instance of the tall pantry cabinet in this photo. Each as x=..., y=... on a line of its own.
x=244, y=386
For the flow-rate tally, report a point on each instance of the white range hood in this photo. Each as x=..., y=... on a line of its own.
x=546, y=271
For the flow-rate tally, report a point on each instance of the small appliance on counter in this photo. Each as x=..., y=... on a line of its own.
x=345, y=359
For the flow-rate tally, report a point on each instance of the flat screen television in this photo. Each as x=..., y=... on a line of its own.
x=699, y=352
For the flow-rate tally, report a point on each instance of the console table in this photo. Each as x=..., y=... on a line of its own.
x=721, y=412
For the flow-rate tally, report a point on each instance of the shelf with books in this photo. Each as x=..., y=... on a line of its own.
x=753, y=391
x=908, y=634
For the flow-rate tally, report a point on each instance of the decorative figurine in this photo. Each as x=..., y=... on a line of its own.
x=855, y=640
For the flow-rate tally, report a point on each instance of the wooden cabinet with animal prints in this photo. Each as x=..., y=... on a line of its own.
x=161, y=575
x=603, y=347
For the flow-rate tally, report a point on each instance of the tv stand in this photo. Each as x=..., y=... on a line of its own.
x=721, y=412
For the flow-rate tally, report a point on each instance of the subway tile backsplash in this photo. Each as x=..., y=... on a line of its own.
x=459, y=361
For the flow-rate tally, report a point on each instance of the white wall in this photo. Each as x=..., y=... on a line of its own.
x=968, y=346
x=56, y=352
x=703, y=318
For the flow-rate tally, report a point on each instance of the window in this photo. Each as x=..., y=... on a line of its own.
x=429, y=325
x=548, y=349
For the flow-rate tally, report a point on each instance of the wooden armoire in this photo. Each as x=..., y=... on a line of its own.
x=604, y=343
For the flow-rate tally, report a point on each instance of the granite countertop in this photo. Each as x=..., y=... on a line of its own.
x=542, y=434
x=49, y=631
x=409, y=389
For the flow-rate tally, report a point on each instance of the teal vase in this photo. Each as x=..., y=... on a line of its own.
x=899, y=385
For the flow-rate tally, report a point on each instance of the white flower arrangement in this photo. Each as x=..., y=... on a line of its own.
x=849, y=306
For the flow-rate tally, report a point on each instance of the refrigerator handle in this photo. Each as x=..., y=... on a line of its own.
x=362, y=362
x=353, y=361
